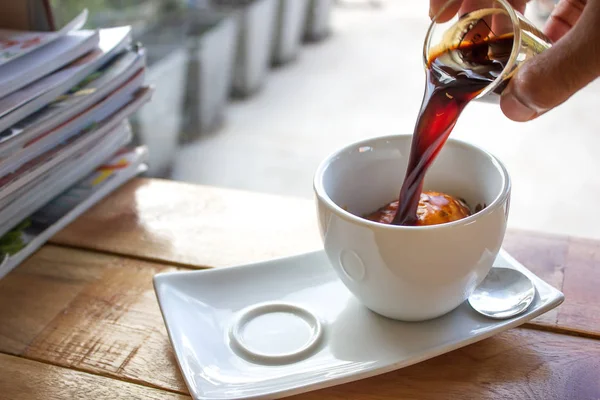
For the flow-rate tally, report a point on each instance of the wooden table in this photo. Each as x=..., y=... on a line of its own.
x=79, y=319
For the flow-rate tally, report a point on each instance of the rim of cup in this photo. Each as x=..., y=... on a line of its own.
x=322, y=195
x=516, y=49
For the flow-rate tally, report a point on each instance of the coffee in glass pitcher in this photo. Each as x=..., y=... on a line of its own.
x=471, y=51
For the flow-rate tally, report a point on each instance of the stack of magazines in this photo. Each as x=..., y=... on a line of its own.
x=65, y=99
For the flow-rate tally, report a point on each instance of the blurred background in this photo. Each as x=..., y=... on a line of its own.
x=254, y=94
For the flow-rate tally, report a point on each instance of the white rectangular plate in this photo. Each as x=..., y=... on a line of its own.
x=200, y=307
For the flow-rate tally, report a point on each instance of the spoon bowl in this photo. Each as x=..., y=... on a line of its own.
x=504, y=293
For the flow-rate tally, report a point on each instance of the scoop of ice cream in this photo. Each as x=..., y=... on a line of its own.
x=440, y=208
x=434, y=208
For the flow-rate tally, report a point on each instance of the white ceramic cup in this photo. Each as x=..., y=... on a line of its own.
x=419, y=272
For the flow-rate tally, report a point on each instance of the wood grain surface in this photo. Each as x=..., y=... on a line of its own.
x=88, y=311
x=203, y=226
x=22, y=379
x=569, y=264
x=195, y=225
x=97, y=313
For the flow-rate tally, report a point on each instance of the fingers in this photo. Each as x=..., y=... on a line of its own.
x=519, y=5
x=435, y=6
x=563, y=18
x=460, y=6
x=472, y=5
x=550, y=78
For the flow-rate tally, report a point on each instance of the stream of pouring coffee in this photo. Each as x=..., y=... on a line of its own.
x=450, y=87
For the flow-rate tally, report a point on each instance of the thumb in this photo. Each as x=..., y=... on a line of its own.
x=550, y=78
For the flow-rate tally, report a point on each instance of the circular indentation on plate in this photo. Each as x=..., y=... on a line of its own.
x=352, y=265
x=275, y=333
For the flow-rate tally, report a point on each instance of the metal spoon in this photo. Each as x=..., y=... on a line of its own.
x=504, y=293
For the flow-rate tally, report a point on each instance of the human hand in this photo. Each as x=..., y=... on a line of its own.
x=550, y=78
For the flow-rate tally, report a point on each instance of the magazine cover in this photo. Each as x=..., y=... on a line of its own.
x=70, y=170
x=29, y=235
x=15, y=43
x=35, y=167
x=62, y=204
x=52, y=182
x=33, y=66
x=31, y=98
x=78, y=98
x=94, y=115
